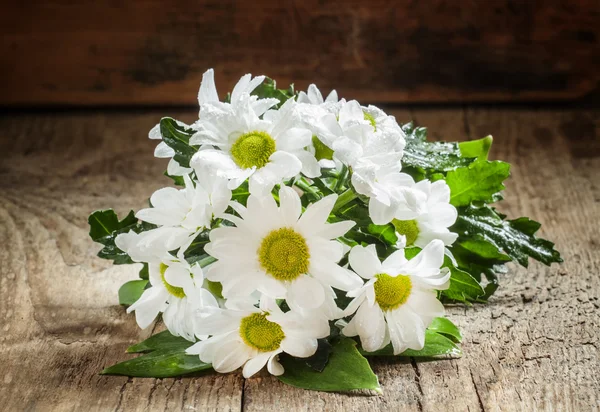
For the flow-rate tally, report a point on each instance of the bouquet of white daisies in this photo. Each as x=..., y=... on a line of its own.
x=306, y=234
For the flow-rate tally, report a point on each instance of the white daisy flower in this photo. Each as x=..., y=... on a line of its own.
x=399, y=301
x=353, y=135
x=207, y=95
x=280, y=252
x=177, y=293
x=266, y=151
x=431, y=217
x=254, y=337
x=385, y=124
x=192, y=207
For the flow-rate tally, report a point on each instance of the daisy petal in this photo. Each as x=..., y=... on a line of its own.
x=306, y=292
x=364, y=261
x=256, y=364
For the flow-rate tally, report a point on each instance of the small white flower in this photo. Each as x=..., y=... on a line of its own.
x=313, y=96
x=254, y=337
x=280, y=252
x=399, y=301
x=192, y=207
x=385, y=124
x=207, y=95
x=353, y=134
x=265, y=151
x=431, y=217
x=177, y=293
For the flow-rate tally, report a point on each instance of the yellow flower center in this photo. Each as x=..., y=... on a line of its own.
x=253, y=149
x=408, y=228
x=284, y=254
x=321, y=151
x=260, y=333
x=370, y=119
x=173, y=290
x=392, y=292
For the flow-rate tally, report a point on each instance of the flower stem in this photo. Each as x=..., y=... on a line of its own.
x=346, y=197
x=341, y=181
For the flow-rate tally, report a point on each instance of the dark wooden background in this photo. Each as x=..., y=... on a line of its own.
x=154, y=52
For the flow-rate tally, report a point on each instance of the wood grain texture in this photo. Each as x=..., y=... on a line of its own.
x=154, y=52
x=534, y=347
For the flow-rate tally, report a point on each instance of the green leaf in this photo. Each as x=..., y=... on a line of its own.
x=144, y=271
x=482, y=248
x=319, y=360
x=160, y=341
x=385, y=233
x=446, y=328
x=177, y=136
x=131, y=291
x=177, y=180
x=476, y=148
x=463, y=287
x=347, y=370
x=268, y=89
x=104, y=228
x=516, y=238
x=480, y=181
x=104, y=222
x=162, y=363
x=436, y=345
x=164, y=357
x=430, y=157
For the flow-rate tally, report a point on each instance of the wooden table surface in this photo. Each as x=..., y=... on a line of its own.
x=535, y=346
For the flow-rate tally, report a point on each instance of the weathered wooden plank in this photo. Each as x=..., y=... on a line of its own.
x=60, y=319
x=154, y=52
x=535, y=347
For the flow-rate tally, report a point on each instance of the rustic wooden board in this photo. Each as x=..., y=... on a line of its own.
x=534, y=347
x=154, y=52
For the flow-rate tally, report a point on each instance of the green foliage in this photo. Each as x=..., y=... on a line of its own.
x=177, y=136
x=131, y=291
x=425, y=158
x=514, y=237
x=476, y=148
x=479, y=182
x=346, y=370
x=162, y=340
x=463, y=287
x=268, y=89
x=164, y=357
x=104, y=228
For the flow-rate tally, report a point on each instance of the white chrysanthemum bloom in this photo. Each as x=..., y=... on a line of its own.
x=265, y=151
x=431, y=217
x=192, y=207
x=208, y=95
x=353, y=135
x=177, y=293
x=281, y=252
x=399, y=300
x=254, y=337
x=385, y=124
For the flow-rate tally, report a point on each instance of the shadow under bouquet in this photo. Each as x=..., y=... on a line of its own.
x=306, y=234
